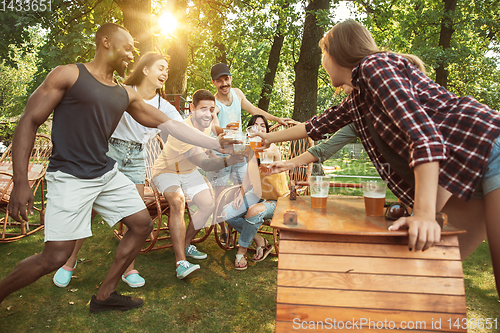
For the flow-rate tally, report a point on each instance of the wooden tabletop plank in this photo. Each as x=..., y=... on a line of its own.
x=371, y=282
x=416, y=267
x=307, y=236
x=426, y=320
x=368, y=250
x=372, y=300
x=343, y=215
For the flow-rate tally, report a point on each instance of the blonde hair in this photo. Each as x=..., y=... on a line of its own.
x=349, y=42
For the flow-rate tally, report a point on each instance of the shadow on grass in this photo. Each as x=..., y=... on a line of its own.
x=216, y=298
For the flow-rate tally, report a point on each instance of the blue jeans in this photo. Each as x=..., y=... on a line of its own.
x=248, y=227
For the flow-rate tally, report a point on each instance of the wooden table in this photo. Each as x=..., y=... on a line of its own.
x=338, y=264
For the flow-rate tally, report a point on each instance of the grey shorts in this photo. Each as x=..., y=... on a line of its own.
x=129, y=157
x=70, y=201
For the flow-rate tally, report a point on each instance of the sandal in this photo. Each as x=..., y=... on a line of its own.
x=266, y=250
x=237, y=265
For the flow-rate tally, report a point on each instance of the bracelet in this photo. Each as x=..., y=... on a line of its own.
x=225, y=161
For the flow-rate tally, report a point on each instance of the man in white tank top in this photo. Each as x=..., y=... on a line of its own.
x=233, y=98
x=230, y=101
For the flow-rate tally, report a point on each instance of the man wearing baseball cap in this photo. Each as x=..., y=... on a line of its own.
x=229, y=100
x=229, y=103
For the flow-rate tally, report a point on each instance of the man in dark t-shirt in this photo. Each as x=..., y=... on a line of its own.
x=87, y=106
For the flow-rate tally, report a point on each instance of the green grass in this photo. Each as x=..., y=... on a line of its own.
x=351, y=168
x=215, y=299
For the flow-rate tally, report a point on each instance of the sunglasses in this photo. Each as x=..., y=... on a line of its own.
x=395, y=211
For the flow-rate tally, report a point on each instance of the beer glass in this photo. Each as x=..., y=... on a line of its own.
x=240, y=148
x=256, y=141
x=318, y=187
x=234, y=121
x=230, y=134
x=266, y=158
x=374, y=194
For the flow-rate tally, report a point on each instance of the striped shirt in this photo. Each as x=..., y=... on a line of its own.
x=420, y=120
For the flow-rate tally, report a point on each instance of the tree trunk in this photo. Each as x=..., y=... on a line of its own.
x=178, y=52
x=272, y=68
x=447, y=31
x=306, y=69
x=137, y=20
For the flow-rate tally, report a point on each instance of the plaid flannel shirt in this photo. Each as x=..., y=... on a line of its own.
x=419, y=120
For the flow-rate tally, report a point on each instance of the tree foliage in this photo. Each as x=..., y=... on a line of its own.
x=242, y=33
x=415, y=26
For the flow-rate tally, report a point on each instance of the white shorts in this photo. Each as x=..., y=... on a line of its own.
x=190, y=183
x=70, y=201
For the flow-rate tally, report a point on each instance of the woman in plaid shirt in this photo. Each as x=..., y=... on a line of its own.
x=433, y=147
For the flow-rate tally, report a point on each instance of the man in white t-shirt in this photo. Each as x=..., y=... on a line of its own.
x=175, y=174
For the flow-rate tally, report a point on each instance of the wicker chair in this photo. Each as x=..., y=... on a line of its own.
x=38, y=162
x=158, y=207
x=300, y=174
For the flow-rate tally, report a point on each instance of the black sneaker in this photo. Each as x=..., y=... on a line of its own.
x=115, y=301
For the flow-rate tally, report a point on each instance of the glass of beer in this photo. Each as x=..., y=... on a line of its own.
x=256, y=141
x=374, y=194
x=234, y=121
x=318, y=187
x=230, y=133
x=240, y=148
x=266, y=158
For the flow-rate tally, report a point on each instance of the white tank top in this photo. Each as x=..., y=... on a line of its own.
x=235, y=107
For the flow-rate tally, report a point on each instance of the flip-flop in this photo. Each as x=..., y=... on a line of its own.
x=266, y=250
x=237, y=263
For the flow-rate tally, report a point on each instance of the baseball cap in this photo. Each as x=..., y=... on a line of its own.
x=218, y=70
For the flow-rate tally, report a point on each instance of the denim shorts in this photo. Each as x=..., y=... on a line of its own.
x=491, y=176
x=129, y=157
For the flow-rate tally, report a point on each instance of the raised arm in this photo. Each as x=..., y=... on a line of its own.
x=327, y=149
x=200, y=159
x=320, y=153
x=40, y=105
x=150, y=116
x=289, y=134
x=252, y=109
